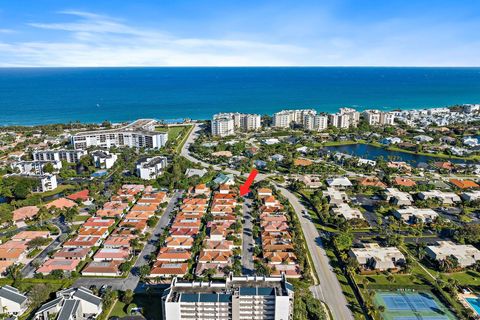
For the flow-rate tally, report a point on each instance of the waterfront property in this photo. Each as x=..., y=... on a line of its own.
x=138, y=134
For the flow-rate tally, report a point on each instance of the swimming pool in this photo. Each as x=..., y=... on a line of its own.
x=474, y=303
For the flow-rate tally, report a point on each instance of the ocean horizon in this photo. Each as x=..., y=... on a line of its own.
x=31, y=96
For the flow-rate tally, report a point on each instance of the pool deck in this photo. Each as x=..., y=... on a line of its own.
x=463, y=300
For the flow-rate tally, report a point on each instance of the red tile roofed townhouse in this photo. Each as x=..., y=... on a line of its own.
x=183, y=232
x=464, y=184
x=200, y=189
x=274, y=226
x=224, y=217
x=112, y=209
x=168, y=269
x=220, y=257
x=83, y=242
x=139, y=215
x=136, y=188
x=27, y=235
x=284, y=234
x=72, y=253
x=24, y=213
x=94, y=232
x=12, y=254
x=61, y=203
x=115, y=205
x=195, y=201
x=225, y=224
x=153, y=197
x=222, y=210
x=224, y=189
x=273, y=244
x=179, y=243
x=229, y=196
x=218, y=267
x=150, y=207
x=173, y=255
x=273, y=218
x=124, y=198
x=82, y=195
x=274, y=257
x=108, y=213
x=186, y=223
x=102, y=269
x=404, y=182
x=117, y=241
x=224, y=202
x=109, y=254
x=193, y=208
x=264, y=192
x=58, y=264
x=289, y=270
x=399, y=165
x=137, y=224
x=276, y=209
x=218, y=233
x=191, y=215
x=270, y=201
x=97, y=223
x=222, y=245
x=4, y=266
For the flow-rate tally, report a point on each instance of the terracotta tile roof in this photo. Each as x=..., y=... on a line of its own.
x=302, y=162
x=118, y=241
x=145, y=207
x=72, y=253
x=280, y=257
x=214, y=256
x=112, y=253
x=58, y=264
x=265, y=191
x=83, y=241
x=25, y=213
x=101, y=232
x=172, y=254
x=213, y=245
x=29, y=235
x=161, y=268
x=446, y=165
x=11, y=253
x=106, y=267
x=184, y=232
x=464, y=184
x=138, y=224
x=405, y=182
x=371, y=182
x=80, y=195
x=195, y=201
x=140, y=215
x=172, y=242
x=61, y=203
x=98, y=222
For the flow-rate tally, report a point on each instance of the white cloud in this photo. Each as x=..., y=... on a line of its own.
x=99, y=40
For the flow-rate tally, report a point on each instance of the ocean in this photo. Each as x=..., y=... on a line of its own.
x=30, y=96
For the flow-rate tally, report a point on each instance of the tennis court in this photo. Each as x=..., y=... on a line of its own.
x=411, y=305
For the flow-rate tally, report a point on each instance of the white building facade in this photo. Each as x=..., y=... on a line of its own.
x=151, y=168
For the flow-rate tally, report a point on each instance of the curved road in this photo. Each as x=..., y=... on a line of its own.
x=329, y=289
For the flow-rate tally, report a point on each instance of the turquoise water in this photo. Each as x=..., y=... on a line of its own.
x=51, y=95
x=474, y=303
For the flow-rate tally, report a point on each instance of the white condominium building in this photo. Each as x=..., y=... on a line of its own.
x=35, y=167
x=285, y=118
x=67, y=155
x=346, y=118
x=151, y=168
x=138, y=134
x=238, y=298
x=45, y=182
x=104, y=159
x=376, y=117
x=315, y=122
x=224, y=124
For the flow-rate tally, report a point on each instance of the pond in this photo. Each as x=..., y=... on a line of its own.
x=371, y=152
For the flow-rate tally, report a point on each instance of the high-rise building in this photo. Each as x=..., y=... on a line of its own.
x=222, y=126
x=285, y=118
x=345, y=118
x=138, y=134
x=315, y=122
x=237, y=298
x=376, y=117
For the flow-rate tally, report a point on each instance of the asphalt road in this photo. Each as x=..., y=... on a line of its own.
x=133, y=279
x=29, y=270
x=247, y=240
x=329, y=289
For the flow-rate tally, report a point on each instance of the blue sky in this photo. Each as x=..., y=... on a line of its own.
x=239, y=33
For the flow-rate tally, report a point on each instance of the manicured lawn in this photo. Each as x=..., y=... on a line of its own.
x=118, y=310
x=174, y=132
x=81, y=218
x=466, y=278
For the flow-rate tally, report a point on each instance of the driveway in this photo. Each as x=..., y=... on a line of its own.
x=248, y=242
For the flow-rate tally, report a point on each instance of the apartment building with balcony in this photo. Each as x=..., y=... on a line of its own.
x=237, y=298
x=68, y=155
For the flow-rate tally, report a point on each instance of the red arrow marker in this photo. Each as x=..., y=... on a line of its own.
x=245, y=188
